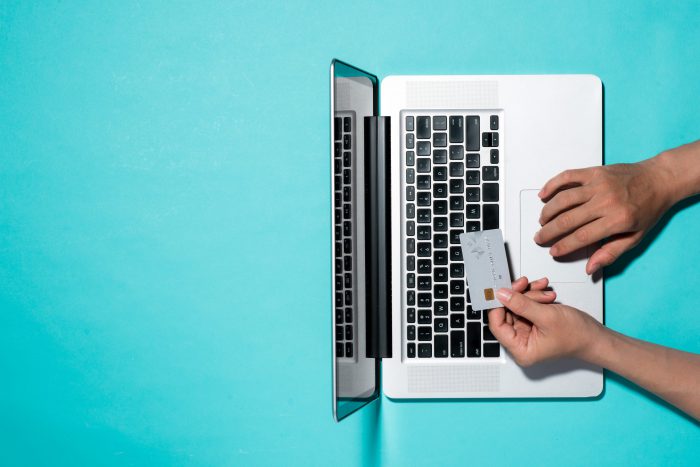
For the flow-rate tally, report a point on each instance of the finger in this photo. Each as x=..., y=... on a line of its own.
x=520, y=284
x=518, y=304
x=566, y=222
x=539, y=284
x=567, y=177
x=611, y=250
x=562, y=201
x=509, y=317
x=541, y=296
x=587, y=235
x=501, y=328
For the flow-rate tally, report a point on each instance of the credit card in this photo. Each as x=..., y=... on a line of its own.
x=486, y=267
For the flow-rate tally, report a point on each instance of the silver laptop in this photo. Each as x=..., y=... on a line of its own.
x=415, y=161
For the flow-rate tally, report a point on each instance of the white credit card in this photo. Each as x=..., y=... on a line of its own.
x=486, y=267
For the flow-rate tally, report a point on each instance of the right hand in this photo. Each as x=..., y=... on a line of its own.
x=619, y=202
x=533, y=331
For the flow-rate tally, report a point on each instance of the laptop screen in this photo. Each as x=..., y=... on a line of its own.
x=354, y=96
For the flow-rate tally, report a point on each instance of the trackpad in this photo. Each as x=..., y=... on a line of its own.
x=535, y=260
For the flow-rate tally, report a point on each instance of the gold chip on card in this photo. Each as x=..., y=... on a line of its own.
x=488, y=294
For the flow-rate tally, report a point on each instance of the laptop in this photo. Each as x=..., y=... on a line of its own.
x=416, y=161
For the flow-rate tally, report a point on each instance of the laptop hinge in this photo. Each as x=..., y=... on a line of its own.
x=378, y=235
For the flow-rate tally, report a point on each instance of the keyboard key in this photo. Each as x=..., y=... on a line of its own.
x=348, y=349
x=457, y=344
x=490, y=216
x=338, y=149
x=410, y=210
x=440, y=241
x=472, y=313
x=347, y=193
x=346, y=176
x=490, y=173
x=457, y=185
x=411, y=350
x=456, y=203
x=473, y=226
x=410, y=140
x=338, y=316
x=440, y=156
x=337, y=128
x=423, y=198
x=411, y=315
x=457, y=304
x=424, y=232
x=440, y=207
x=410, y=158
x=423, y=148
x=423, y=182
x=410, y=228
x=473, y=131
x=425, y=282
x=410, y=245
x=440, y=123
x=456, y=169
x=456, y=270
x=411, y=298
x=441, y=325
x=347, y=158
x=423, y=127
x=456, y=253
x=424, y=316
x=423, y=216
x=440, y=190
x=347, y=211
x=346, y=142
x=348, y=297
x=486, y=139
x=347, y=262
x=348, y=315
x=473, y=211
x=424, y=249
x=473, y=340
x=425, y=333
x=440, y=174
x=339, y=350
x=456, y=129
x=411, y=263
x=411, y=280
x=440, y=257
x=423, y=165
x=441, y=291
x=454, y=236
x=488, y=335
x=456, y=320
x=456, y=153
x=441, y=346
x=424, y=266
x=339, y=333
x=473, y=177
x=425, y=350
x=473, y=160
x=347, y=246
x=490, y=191
x=425, y=299
x=348, y=333
x=440, y=308
x=493, y=121
x=347, y=278
x=492, y=350
x=339, y=299
x=410, y=193
x=456, y=219
x=410, y=175
x=409, y=123
x=473, y=194
x=494, y=140
x=338, y=249
x=457, y=286
x=411, y=333
x=346, y=124
x=337, y=166
x=440, y=140
x=494, y=156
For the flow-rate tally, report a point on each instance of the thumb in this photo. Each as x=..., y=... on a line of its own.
x=611, y=250
x=519, y=304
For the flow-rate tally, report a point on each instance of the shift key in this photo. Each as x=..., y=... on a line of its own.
x=457, y=344
x=474, y=339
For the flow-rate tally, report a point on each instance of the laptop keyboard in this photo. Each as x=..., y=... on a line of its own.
x=344, y=258
x=452, y=179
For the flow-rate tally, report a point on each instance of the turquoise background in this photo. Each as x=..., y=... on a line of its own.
x=164, y=229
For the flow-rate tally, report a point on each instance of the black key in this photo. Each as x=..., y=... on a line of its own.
x=494, y=156
x=337, y=128
x=339, y=199
x=457, y=286
x=410, y=175
x=473, y=211
x=486, y=139
x=456, y=253
x=440, y=224
x=492, y=350
x=473, y=340
x=424, y=317
x=425, y=350
x=338, y=166
x=338, y=216
x=411, y=263
x=410, y=193
x=473, y=194
x=423, y=182
x=423, y=148
x=339, y=299
x=440, y=156
x=347, y=193
x=338, y=182
x=411, y=350
x=339, y=282
x=424, y=249
x=440, y=291
x=440, y=207
x=490, y=173
x=346, y=124
x=425, y=282
x=457, y=185
x=339, y=349
x=440, y=190
x=454, y=236
x=339, y=333
x=348, y=333
x=423, y=127
x=473, y=131
x=488, y=335
x=347, y=262
x=494, y=140
x=473, y=160
x=494, y=122
x=456, y=270
x=410, y=158
x=411, y=298
x=490, y=191
x=457, y=304
x=425, y=299
x=472, y=313
x=411, y=315
x=347, y=278
x=440, y=174
x=348, y=297
x=338, y=316
x=456, y=203
x=410, y=228
x=472, y=177
x=347, y=159
x=425, y=333
x=423, y=165
x=411, y=332
x=347, y=246
x=441, y=346
x=441, y=325
x=456, y=219
x=440, y=241
x=346, y=142
x=346, y=176
x=409, y=123
x=440, y=140
x=347, y=211
x=338, y=265
x=440, y=257
x=456, y=129
x=456, y=320
x=338, y=149
x=473, y=226
x=410, y=245
x=486, y=318
x=348, y=349
x=440, y=308
x=456, y=169
x=424, y=266
x=424, y=198
x=456, y=153
x=348, y=315
x=490, y=216
x=440, y=123
x=440, y=274
x=410, y=280
x=410, y=210
x=423, y=232
x=457, y=344
x=423, y=216
x=410, y=140
x=338, y=249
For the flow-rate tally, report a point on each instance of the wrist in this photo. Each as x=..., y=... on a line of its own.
x=677, y=172
x=667, y=183
x=597, y=344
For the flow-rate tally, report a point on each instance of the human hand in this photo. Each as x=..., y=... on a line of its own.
x=620, y=202
x=533, y=331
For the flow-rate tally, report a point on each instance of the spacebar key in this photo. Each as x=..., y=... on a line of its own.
x=474, y=339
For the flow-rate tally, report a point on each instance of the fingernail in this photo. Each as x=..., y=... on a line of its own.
x=504, y=294
x=594, y=268
x=554, y=250
x=548, y=292
x=537, y=237
x=540, y=193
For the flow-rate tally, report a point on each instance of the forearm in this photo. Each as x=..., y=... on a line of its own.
x=678, y=171
x=670, y=374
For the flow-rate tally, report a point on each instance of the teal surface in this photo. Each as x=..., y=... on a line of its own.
x=164, y=226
